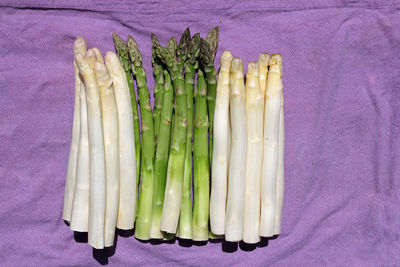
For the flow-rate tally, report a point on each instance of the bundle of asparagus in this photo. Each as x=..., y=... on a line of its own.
x=239, y=157
x=251, y=156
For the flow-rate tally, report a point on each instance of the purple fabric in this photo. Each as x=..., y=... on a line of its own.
x=342, y=111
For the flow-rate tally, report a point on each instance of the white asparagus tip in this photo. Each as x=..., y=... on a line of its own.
x=91, y=58
x=275, y=59
x=101, y=69
x=80, y=45
x=275, y=68
x=252, y=68
x=111, y=57
x=226, y=59
x=79, y=58
x=99, y=55
x=263, y=59
x=237, y=65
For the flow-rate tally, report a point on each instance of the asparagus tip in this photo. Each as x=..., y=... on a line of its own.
x=275, y=59
x=237, y=65
x=263, y=59
x=184, y=42
x=212, y=40
x=80, y=44
x=252, y=68
x=194, y=48
x=154, y=40
x=134, y=52
x=226, y=59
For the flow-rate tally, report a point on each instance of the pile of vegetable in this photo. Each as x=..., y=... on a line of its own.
x=206, y=161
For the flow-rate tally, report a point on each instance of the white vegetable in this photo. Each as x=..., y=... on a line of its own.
x=280, y=176
x=270, y=158
x=97, y=174
x=237, y=161
x=220, y=151
x=79, y=47
x=263, y=61
x=80, y=210
x=99, y=55
x=280, y=179
x=254, y=114
x=127, y=157
x=111, y=144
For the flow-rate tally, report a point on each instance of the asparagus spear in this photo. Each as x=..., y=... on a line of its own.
x=208, y=49
x=280, y=175
x=185, y=218
x=161, y=160
x=174, y=59
x=122, y=51
x=201, y=173
x=158, y=88
x=111, y=148
x=79, y=47
x=97, y=192
x=254, y=118
x=126, y=137
x=237, y=161
x=219, y=170
x=143, y=216
x=271, y=152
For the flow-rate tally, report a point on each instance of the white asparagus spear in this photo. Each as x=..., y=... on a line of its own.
x=229, y=141
x=127, y=157
x=219, y=171
x=97, y=174
x=263, y=61
x=271, y=153
x=280, y=179
x=80, y=209
x=237, y=161
x=99, y=55
x=111, y=145
x=280, y=176
x=254, y=115
x=79, y=47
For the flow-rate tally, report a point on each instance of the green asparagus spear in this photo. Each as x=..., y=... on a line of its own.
x=174, y=58
x=201, y=163
x=143, y=217
x=158, y=88
x=208, y=49
x=185, y=218
x=161, y=161
x=122, y=51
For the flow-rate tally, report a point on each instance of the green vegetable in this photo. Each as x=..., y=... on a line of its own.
x=122, y=51
x=143, y=216
x=158, y=88
x=208, y=49
x=201, y=163
x=161, y=161
x=185, y=219
x=174, y=58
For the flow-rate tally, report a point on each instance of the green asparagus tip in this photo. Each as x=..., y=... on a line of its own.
x=209, y=46
x=134, y=52
x=122, y=51
x=172, y=46
x=184, y=43
x=164, y=56
x=205, y=52
x=194, y=48
x=154, y=40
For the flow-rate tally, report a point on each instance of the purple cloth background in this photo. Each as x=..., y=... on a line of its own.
x=342, y=111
